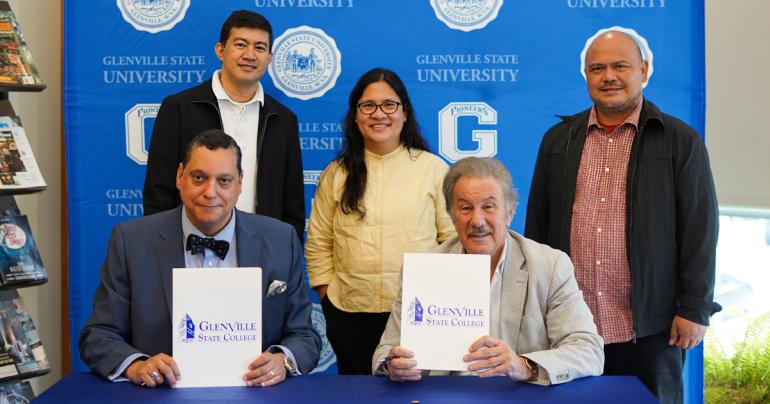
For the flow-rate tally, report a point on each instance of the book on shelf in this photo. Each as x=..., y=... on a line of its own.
x=17, y=69
x=19, y=171
x=20, y=339
x=20, y=260
x=7, y=363
x=16, y=392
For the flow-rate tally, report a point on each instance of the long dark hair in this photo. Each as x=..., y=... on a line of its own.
x=352, y=154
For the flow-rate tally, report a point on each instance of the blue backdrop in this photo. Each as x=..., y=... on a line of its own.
x=486, y=78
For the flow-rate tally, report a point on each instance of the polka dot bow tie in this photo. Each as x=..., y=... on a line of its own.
x=196, y=245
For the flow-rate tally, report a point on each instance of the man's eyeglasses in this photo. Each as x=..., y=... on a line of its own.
x=368, y=107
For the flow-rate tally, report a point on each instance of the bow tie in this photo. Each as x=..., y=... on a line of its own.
x=196, y=245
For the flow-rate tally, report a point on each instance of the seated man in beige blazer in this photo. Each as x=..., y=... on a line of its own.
x=542, y=330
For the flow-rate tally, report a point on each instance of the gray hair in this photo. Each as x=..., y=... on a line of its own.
x=480, y=167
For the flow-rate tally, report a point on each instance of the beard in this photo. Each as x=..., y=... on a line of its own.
x=627, y=105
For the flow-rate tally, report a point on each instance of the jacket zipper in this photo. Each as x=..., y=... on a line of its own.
x=565, y=209
x=260, y=137
x=630, y=226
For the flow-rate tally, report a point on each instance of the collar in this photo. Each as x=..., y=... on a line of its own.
x=459, y=249
x=221, y=94
x=632, y=118
x=225, y=234
x=649, y=112
x=501, y=262
x=383, y=157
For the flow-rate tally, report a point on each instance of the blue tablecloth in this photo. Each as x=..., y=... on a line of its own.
x=85, y=388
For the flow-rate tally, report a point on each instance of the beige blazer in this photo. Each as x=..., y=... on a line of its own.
x=543, y=315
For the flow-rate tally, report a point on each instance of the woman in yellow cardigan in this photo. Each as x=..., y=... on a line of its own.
x=381, y=197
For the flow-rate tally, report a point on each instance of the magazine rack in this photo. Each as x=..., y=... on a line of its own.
x=8, y=205
x=14, y=59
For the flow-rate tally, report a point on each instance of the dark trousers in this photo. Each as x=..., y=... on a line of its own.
x=354, y=337
x=653, y=361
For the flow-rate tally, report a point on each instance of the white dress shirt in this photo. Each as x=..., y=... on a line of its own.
x=241, y=120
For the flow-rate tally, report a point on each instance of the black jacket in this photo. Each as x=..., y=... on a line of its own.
x=671, y=218
x=280, y=187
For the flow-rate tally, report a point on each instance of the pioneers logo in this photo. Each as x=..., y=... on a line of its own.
x=153, y=15
x=486, y=139
x=415, y=312
x=136, y=130
x=466, y=15
x=319, y=325
x=306, y=63
x=186, y=329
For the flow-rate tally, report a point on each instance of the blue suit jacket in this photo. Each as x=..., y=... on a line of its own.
x=132, y=305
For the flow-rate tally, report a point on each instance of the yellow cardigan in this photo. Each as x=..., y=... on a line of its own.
x=360, y=259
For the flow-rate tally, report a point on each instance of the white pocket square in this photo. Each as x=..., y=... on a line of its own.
x=276, y=288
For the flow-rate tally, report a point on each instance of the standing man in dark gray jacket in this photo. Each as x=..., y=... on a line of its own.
x=234, y=101
x=627, y=192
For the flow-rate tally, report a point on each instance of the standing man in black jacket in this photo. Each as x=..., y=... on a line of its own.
x=234, y=101
x=627, y=192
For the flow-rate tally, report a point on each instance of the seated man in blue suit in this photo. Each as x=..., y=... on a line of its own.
x=129, y=333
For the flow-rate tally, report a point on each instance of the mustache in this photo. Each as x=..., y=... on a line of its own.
x=610, y=84
x=480, y=231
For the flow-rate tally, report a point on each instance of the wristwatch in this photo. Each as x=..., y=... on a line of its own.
x=533, y=368
x=291, y=367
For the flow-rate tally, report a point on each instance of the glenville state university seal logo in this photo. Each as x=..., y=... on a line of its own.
x=306, y=63
x=466, y=15
x=153, y=15
x=186, y=329
x=415, y=312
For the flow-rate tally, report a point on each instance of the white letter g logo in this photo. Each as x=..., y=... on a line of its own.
x=486, y=140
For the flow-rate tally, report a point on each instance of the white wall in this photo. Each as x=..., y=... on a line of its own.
x=737, y=132
x=738, y=100
x=41, y=115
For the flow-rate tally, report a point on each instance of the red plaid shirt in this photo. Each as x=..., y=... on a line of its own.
x=598, y=232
